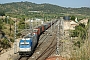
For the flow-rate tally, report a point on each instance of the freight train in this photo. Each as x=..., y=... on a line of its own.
x=28, y=43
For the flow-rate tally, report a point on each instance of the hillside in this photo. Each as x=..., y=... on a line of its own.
x=25, y=7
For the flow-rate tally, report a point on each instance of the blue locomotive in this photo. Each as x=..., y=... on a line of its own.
x=27, y=44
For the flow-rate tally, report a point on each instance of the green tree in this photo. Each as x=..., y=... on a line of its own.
x=80, y=31
x=1, y=24
x=22, y=24
x=73, y=18
x=2, y=13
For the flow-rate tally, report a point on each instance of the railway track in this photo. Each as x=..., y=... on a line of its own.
x=44, y=52
x=49, y=49
x=42, y=39
x=23, y=58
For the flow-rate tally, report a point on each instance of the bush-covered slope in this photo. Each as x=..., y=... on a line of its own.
x=24, y=7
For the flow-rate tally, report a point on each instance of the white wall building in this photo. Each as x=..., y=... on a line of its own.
x=69, y=25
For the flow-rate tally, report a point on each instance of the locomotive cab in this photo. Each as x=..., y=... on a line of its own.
x=25, y=46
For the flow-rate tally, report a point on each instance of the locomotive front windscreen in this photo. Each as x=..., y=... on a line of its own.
x=24, y=45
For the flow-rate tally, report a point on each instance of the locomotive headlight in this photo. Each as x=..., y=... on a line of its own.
x=30, y=49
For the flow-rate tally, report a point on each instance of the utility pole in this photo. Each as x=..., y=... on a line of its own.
x=54, y=27
x=58, y=38
x=32, y=24
x=51, y=26
x=25, y=24
x=37, y=22
x=62, y=26
x=15, y=42
x=62, y=32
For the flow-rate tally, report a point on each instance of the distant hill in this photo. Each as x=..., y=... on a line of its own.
x=25, y=7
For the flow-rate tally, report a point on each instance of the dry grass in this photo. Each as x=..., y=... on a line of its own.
x=83, y=53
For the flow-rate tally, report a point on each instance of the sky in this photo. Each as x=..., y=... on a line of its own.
x=63, y=3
